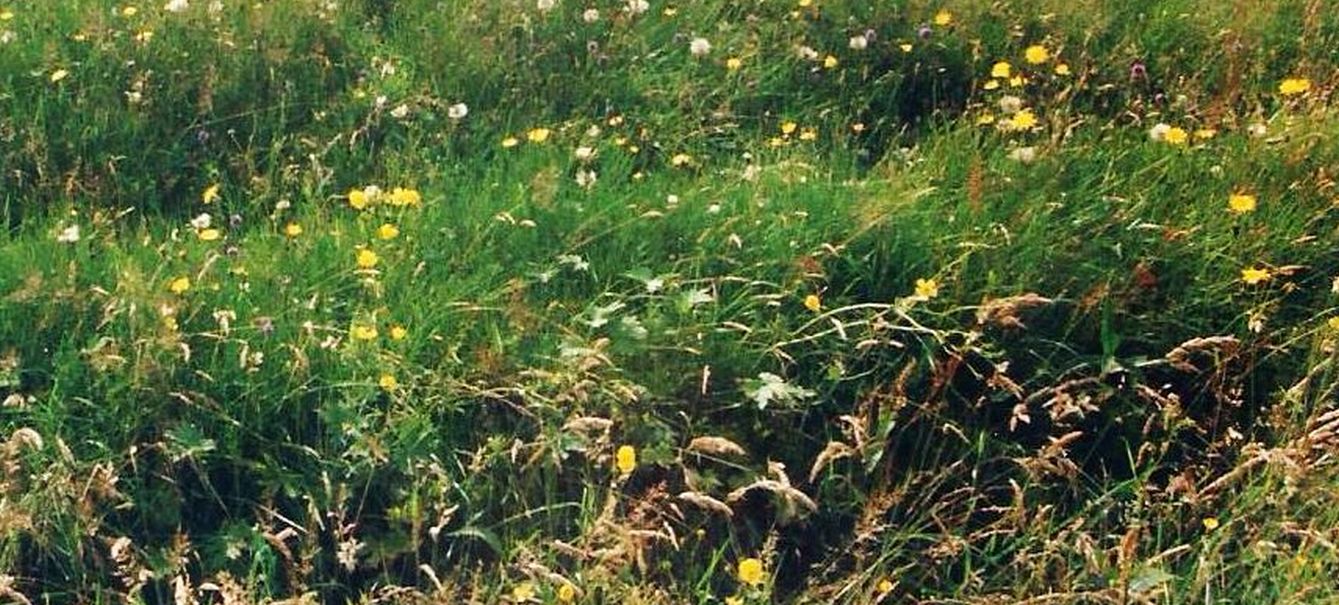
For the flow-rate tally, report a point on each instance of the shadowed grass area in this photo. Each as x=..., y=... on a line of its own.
x=640, y=302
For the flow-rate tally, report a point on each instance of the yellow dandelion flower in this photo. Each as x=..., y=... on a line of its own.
x=129, y=11
x=1176, y=136
x=1252, y=275
x=805, y=3
x=991, y=85
x=813, y=303
x=1241, y=203
x=367, y=259
x=906, y=48
x=208, y=235
x=523, y=592
x=1023, y=120
x=399, y=332
x=292, y=230
x=809, y=134
x=885, y=586
x=210, y=194
x=985, y=119
x=1210, y=523
x=830, y=62
x=388, y=382
x=734, y=600
x=6, y=15
x=732, y=64
x=359, y=199
x=751, y=572
x=1333, y=322
x=943, y=18
x=58, y=75
x=388, y=231
x=364, y=332
x=927, y=288
x=1294, y=86
x=1001, y=70
x=1037, y=54
x=788, y=127
x=567, y=593
x=179, y=285
x=510, y=142
x=625, y=459
x=1205, y=134
x=1062, y=69
x=1017, y=81
x=538, y=135
x=681, y=159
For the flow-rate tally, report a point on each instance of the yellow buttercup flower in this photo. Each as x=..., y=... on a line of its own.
x=626, y=459
x=885, y=586
x=1037, y=54
x=1294, y=86
x=813, y=303
x=179, y=285
x=751, y=572
x=292, y=230
x=1240, y=203
x=364, y=332
x=367, y=259
x=927, y=288
x=1252, y=275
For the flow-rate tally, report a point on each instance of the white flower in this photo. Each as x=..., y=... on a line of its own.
x=637, y=7
x=400, y=111
x=545, y=5
x=202, y=221
x=457, y=111
x=858, y=43
x=68, y=235
x=215, y=7
x=806, y=53
x=586, y=178
x=176, y=6
x=590, y=16
x=1159, y=131
x=1010, y=104
x=699, y=47
x=585, y=153
x=1024, y=154
x=1258, y=129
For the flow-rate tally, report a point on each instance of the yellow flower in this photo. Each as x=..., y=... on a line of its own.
x=1037, y=54
x=364, y=332
x=367, y=259
x=1001, y=70
x=59, y=75
x=399, y=332
x=809, y=134
x=806, y=3
x=943, y=17
x=1333, y=322
x=751, y=572
x=1294, y=86
x=523, y=592
x=129, y=11
x=509, y=142
x=830, y=62
x=388, y=231
x=1017, y=81
x=538, y=135
x=208, y=235
x=626, y=459
x=405, y=197
x=734, y=63
x=927, y=288
x=1023, y=120
x=388, y=382
x=985, y=119
x=681, y=159
x=734, y=600
x=1240, y=203
x=1176, y=136
x=885, y=586
x=1205, y=134
x=1062, y=69
x=991, y=85
x=179, y=285
x=292, y=230
x=1210, y=523
x=359, y=199
x=6, y=15
x=788, y=127
x=1253, y=276
x=906, y=48
x=567, y=593
x=210, y=194
x=813, y=303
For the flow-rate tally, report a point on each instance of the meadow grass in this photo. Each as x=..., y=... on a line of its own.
x=640, y=302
